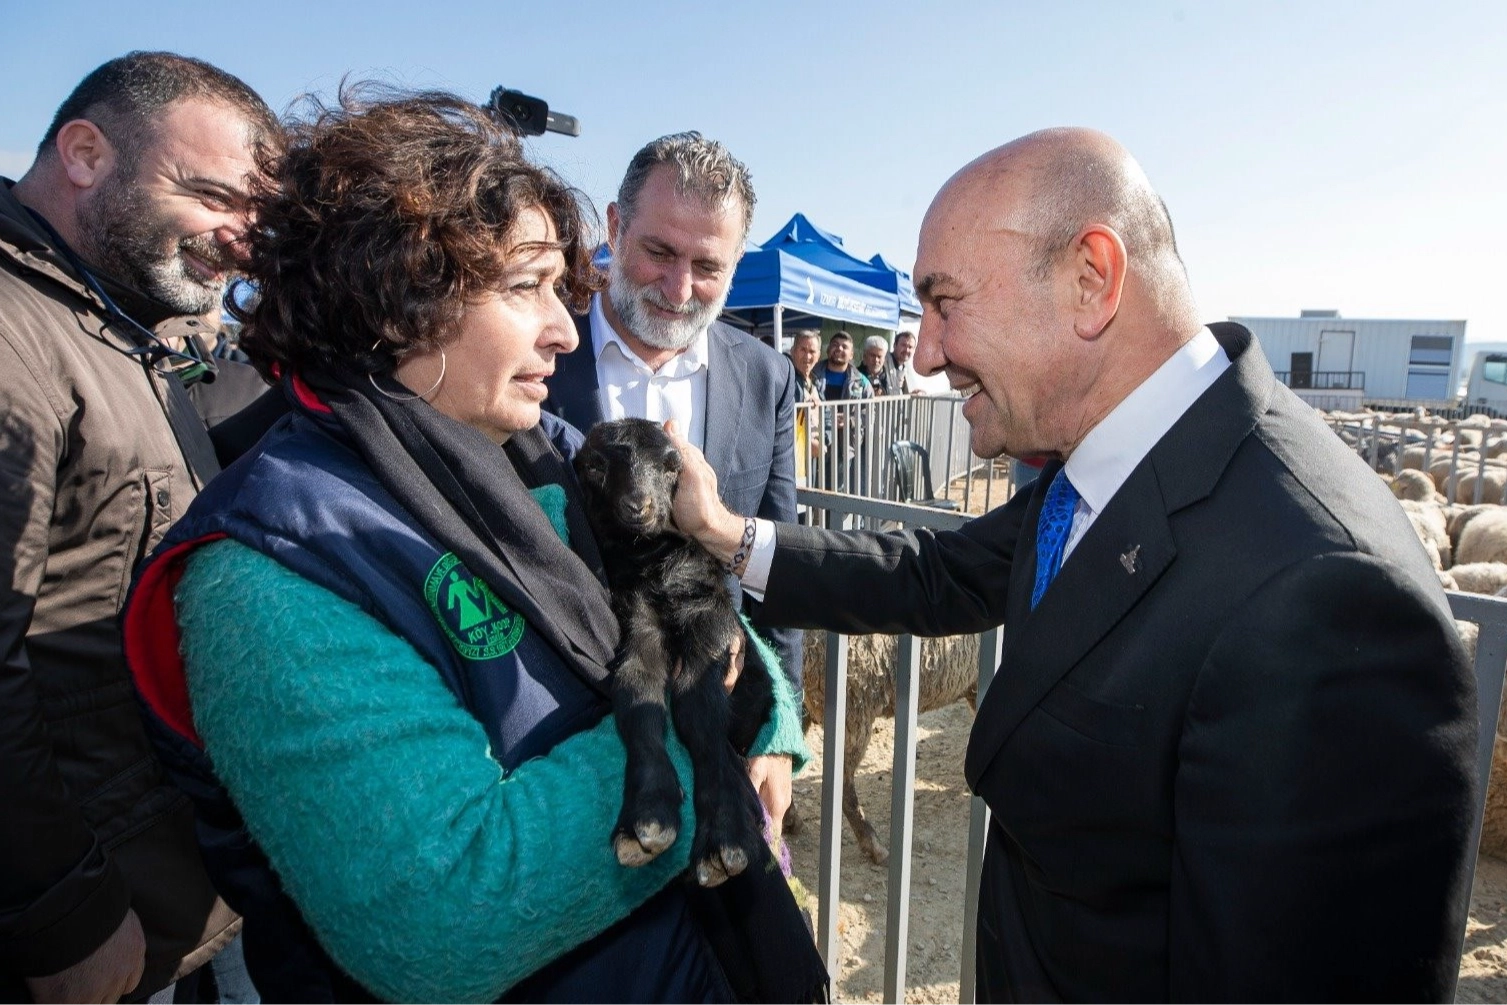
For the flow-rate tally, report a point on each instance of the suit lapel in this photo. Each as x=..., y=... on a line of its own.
x=1124, y=552
x=726, y=382
x=573, y=388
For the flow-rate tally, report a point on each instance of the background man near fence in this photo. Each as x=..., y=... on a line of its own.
x=652, y=348
x=1229, y=751
x=844, y=467
x=120, y=233
x=836, y=376
x=877, y=368
x=900, y=358
x=805, y=350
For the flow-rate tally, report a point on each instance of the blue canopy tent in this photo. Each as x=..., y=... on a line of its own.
x=802, y=273
x=906, y=290
x=773, y=287
x=811, y=243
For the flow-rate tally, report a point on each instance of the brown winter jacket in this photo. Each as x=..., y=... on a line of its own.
x=91, y=476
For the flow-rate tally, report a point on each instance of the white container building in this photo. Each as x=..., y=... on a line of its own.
x=1337, y=362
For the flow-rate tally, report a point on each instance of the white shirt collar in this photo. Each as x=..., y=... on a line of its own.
x=603, y=336
x=1123, y=438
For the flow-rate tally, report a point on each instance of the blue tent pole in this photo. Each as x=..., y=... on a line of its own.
x=779, y=328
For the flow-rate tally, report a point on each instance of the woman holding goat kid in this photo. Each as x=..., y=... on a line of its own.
x=414, y=778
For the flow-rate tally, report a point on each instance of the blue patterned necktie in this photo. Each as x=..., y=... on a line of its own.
x=1052, y=527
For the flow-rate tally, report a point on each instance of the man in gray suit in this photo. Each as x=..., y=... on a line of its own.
x=651, y=347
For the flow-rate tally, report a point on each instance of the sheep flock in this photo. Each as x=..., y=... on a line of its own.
x=1450, y=478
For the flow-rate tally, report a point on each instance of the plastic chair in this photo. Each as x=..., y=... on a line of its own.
x=908, y=459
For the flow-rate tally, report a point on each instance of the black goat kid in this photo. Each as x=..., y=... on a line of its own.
x=677, y=621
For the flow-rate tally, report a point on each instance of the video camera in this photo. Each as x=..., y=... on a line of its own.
x=530, y=115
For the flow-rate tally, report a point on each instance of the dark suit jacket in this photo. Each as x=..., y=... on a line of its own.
x=1229, y=756
x=750, y=437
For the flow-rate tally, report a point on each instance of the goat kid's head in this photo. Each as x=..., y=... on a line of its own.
x=628, y=469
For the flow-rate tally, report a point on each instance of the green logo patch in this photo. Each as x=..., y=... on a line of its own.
x=480, y=626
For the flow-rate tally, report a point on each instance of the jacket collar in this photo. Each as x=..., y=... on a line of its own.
x=1123, y=554
x=573, y=388
x=31, y=247
x=726, y=392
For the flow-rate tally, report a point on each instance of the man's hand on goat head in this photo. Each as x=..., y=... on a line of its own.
x=699, y=512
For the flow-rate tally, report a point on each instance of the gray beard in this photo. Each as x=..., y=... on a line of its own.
x=124, y=237
x=676, y=334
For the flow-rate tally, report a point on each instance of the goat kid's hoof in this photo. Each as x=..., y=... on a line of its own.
x=714, y=870
x=643, y=846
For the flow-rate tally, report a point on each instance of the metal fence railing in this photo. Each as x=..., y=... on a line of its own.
x=1467, y=459
x=902, y=448
x=1444, y=408
x=1489, y=613
x=1323, y=380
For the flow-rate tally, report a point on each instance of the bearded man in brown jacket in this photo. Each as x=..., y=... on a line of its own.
x=121, y=232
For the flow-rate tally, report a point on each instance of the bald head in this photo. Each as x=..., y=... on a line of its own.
x=1050, y=185
x=1052, y=287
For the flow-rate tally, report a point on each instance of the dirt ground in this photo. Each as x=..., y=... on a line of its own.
x=991, y=485
x=937, y=874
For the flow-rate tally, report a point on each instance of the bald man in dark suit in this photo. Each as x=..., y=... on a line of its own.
x=1229, y=751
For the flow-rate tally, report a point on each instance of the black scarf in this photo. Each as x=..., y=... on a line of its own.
x=446, y=475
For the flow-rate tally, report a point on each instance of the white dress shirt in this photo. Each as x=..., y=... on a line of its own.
x=629, y=389
x=1123, y=438
x=1107, y=455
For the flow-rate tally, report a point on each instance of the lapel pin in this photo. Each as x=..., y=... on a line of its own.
x=1131, y=559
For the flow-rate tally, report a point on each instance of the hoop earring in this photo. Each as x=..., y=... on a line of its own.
x=444, y=363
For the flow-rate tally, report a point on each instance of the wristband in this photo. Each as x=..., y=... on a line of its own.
x=745, y=548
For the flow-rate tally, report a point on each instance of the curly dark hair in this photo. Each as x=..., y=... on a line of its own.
x=380, y=220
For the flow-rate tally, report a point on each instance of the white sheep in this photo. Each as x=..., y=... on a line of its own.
x=1411, y=483
x=1447, y=468
x=949, y=673
x=1484, y=537
x=1412, y=457
x=1493, y=483
x=1459, y=518
x=1480, y=577
x=1432, y=528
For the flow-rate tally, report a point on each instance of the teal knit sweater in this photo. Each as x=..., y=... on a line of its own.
x=426, y=871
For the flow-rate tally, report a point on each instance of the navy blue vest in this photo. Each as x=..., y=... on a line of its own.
x=304, y=497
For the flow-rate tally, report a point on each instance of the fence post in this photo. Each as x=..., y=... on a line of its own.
x=1453, y=481
x=834, y=721
x=902, y=811
x=1480, y=476
x=978, y=831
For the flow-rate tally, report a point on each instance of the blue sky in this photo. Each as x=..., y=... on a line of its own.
x=1329, y=155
